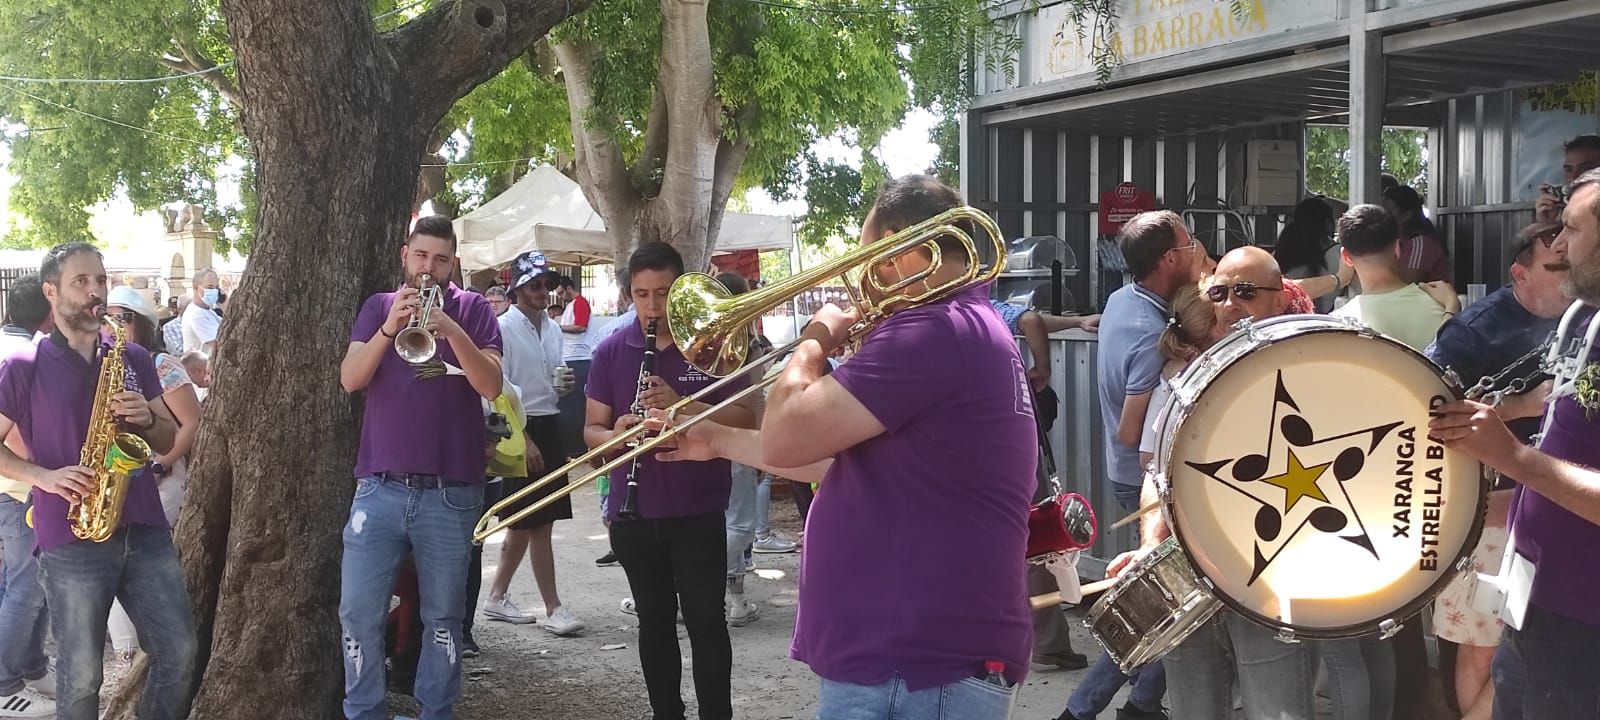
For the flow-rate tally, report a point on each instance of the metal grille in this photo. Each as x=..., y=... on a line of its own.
x=9, y=277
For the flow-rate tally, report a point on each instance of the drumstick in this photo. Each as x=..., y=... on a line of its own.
x=1141, y=512
x=1051, y=599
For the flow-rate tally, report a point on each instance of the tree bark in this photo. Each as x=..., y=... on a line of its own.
x=338, y=117
x=679, y=185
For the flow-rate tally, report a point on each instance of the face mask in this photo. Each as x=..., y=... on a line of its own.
x=211, y=295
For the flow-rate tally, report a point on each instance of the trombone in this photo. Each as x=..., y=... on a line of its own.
x=712, y=330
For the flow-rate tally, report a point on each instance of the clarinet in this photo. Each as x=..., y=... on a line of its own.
x=647, y=368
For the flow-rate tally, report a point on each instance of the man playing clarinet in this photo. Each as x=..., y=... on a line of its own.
x=666, y=519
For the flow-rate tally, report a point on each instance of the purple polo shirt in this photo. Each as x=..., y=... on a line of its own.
x=915, y=544
x=428, y=427
x=48, y=390
x=666, y=490
x=1559, y=543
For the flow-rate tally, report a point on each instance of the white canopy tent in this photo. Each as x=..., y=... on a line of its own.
x=546, y=211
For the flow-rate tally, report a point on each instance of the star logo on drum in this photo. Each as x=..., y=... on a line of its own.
x=1307, y=488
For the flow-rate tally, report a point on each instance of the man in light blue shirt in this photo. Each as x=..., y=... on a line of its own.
x=1162, y=257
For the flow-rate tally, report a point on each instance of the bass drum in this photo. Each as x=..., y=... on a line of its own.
x=1297, y=475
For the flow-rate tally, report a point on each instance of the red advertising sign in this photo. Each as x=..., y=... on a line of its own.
x=746, y=263
x=1120, y=205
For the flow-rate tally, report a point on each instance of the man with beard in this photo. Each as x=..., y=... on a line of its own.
x=1484, y=339
x=419, y=472
x=47, y=392
x=1549, y=656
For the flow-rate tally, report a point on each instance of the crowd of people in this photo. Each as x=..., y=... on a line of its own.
x=515, y=389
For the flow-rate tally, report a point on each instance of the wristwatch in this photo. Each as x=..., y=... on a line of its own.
x=159, y=469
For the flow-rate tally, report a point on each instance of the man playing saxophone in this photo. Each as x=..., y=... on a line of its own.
x=49, y=393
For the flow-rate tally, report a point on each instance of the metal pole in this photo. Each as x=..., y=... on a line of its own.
x=1366, y=106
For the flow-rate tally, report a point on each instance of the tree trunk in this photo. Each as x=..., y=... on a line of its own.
x=683, y=137
x=338, y=118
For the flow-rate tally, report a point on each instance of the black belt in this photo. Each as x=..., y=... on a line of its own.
x=417, y=481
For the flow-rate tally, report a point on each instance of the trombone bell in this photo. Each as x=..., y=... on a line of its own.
x=698, y=309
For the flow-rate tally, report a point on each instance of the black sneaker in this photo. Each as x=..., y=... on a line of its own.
x=607, y=560
x=1066, y=660
x=469, y=646
x=1129, y=711
x=1066, y=715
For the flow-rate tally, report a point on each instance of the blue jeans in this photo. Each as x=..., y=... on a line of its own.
x=1361, y=676
x=1275, y=678
x=741, y=516
x=138, y=566
x=969, y=699
x=1104, y=679
x=388, y=520
x=763, y=501
x=22, y=609
x=1548, y=669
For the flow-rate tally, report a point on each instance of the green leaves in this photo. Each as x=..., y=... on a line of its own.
x=156, y=142
x=1328, y=158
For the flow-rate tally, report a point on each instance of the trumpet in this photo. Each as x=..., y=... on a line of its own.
x=713, y=330
x=415, y=343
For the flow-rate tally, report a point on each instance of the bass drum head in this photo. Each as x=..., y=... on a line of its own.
x=1304, y=488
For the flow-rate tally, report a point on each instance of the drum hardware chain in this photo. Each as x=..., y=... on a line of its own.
x=1515, y=379
x=1388, y=629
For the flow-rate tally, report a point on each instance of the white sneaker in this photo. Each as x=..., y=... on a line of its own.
x=742, y=612
x=26, y=703
x=506, y=611
x=627, y=607
x=561, y=622
x=45, y=686
x=775, y=544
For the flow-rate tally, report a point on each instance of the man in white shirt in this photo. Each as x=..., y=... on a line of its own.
x=26, y=685
x=576, y=350
x=200, y=321
x=531, y=357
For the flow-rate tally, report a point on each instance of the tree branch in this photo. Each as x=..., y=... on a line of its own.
x=195, y=62
x=730, y=160
x=647, y=169
x=601, y=171
x=454, y=47
x=695, y=121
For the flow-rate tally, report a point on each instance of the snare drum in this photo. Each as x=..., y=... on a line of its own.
x=1297, y=476
x=1159, y=602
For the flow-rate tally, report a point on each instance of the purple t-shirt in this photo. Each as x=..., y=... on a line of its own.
x=666, y=490
x=1559, y=543
x=433, y=426
x=943, y=494
x=48, y=390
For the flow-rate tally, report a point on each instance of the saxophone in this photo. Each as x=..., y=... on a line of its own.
x=113, y=455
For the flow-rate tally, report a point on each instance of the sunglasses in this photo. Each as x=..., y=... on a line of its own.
x=124, y=317
x=1242, y=290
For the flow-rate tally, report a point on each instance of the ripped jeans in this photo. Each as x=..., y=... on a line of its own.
x=388, y=520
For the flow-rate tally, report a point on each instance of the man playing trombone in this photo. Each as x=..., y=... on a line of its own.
x=672, y=548
x=924, y=446
x=419, y=472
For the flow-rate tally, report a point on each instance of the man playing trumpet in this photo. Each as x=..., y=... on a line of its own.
x=924, y=447
x=419, y=473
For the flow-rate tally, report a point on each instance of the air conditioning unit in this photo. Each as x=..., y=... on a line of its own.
x=1272, y=172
